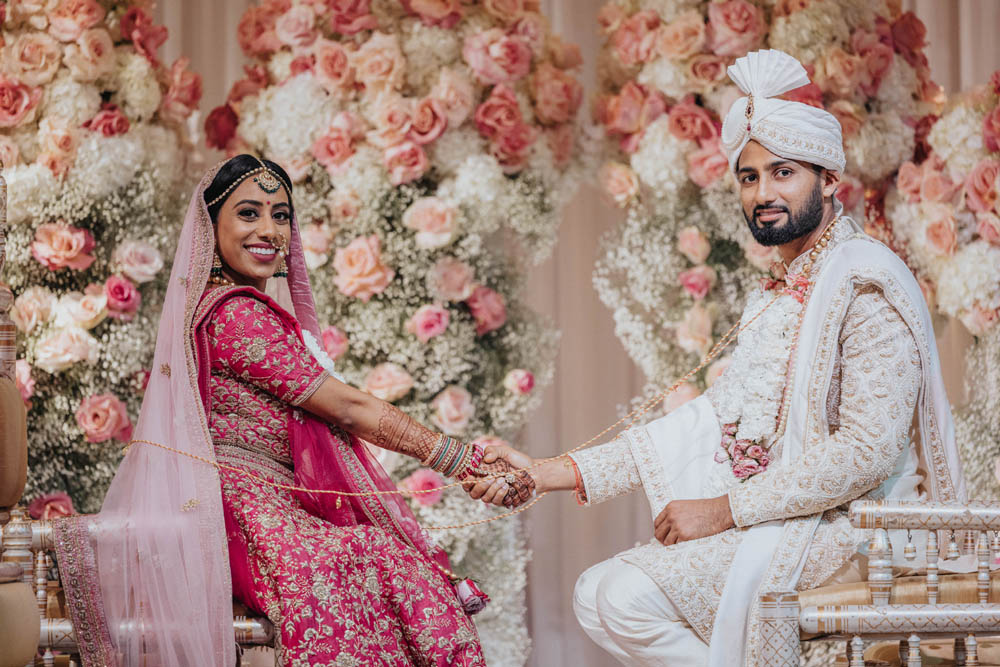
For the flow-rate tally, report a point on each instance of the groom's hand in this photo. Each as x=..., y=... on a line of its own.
x=683, y=520
x=501, y=459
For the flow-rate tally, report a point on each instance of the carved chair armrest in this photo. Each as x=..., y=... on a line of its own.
x=977, y=515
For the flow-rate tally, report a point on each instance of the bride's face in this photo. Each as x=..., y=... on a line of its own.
x=252, y=226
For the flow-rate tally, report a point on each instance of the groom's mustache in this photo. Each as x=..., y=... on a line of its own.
x=769, y=209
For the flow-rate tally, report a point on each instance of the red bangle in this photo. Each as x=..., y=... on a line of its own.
x=578, y=490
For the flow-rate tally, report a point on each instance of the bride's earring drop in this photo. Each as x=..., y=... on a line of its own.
x=215, y=273
x=282, y=271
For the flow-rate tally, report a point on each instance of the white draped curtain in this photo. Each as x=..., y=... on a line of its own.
x=594, y=375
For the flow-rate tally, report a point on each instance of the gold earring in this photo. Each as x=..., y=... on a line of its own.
x=216, y=264
x=282, y=271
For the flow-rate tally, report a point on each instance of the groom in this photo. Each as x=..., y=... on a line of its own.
x=833, y=393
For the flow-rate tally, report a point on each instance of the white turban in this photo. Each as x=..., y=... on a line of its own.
x=792, y=130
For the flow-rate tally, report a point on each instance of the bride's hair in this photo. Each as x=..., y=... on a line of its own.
x=234, y=171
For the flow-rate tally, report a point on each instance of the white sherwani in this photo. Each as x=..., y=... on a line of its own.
x=868, y=419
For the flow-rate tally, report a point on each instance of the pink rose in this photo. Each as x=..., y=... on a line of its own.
x=344, y=204
x=496, y=57
x=850, y=116
x=678, y=397
x=456, y=94
x=58, y=245
x=471, y=597
x=428, y=321
x=630, y=112
x=220, y=127
x=841, y=73
x=519, y=381
x=297, y=167
x=359, y=267
x=850, y=192
x=936, y=185
x=10, y=153
x=746, y=468
x=451, y=279
x=333, y=65
x=683, y=37
x=425, y=485
x=405, y=162
x=17, y=102
x=71, y=17
x=453, y=410
x=296, y=27
x=103, y=417
x=512, y=147
x=876, y=59
x=25, y=383
x=123, y=298
x=91, y=56
x=991, y=130
x=694, y=333
x=697, y=281
x=488, y=308
x=988, y=227
x=499, y=112
x=557, y=94
x=563, y=54
x=434, y=221
x=908, y=180
x=349, y=17
x=810, y=94
x=33, y=58
x=51, y=506
x=756, y=452
x=707, y=164
x=392, y=116
x=33, y=308
x=255, y=32
x=61, y=348
x=706, y=70
x=533, y=29
x=620, y=182
x=315, y=245
x=442, y=13
x=635, y=41
x=505, y=10
x=428, y=122
x=83, y=310
x=109, y=121
x=610, y=17
x=184, y=93
x=909, y=37
x=734, y=27
x=301, y=65
x=335, y=342
x=693, y=245
x=57, y=137
x=333, y=149
x=940, y=233
x=388, y=382
x=995, y=82
x=716, y=369
x=979, y=320
x=137, y=27
x=379, y=64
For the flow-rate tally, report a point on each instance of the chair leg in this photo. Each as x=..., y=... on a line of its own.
x=960, y=652
x=904, y=651
x=779, y=628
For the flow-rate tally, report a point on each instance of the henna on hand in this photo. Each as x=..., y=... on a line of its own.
x=398, y=432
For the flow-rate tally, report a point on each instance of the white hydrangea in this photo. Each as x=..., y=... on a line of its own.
x=66, y=98
x=27, y=188
x=958, y=139
x=665, y=75
x=883, y=143
x=280, y=65
x=897, y=89
x=138, y=90
x=970, y=276
x=365, y=175
x=265, y=119
x=660, y=160
x=449, y=151
x=428, y=49
x=808, y=33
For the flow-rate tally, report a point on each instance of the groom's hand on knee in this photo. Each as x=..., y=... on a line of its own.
x=683, y=520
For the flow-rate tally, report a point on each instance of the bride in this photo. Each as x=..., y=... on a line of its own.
x=229, y=488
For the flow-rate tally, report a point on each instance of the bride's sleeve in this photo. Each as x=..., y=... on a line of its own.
x=249, y=341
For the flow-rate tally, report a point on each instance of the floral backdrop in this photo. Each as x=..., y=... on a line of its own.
x=432, y=146
x=676, y=272
x=94, y=142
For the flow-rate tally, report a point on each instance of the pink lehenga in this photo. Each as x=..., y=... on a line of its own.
x=149, y=580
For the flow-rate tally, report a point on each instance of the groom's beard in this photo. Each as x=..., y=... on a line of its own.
x=799, y=223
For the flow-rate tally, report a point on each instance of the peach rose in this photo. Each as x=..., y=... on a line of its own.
x=388, y=382
x=335, y=342
x=564, y=55
x=610, y=17
x=392, y=117
x=734, y=27
x=184, y=93
x=25, y=383
x=979, y=320
x=82, y=310
x=297, y=168
x=255, y=32
x=908, y=180
x=379, y=64
x=841, y=72
x=936, y=185
x=708, y=163
x=442, y=13
x=620, y=182
x=333, y=149
x=505, y=10
x=810, y=94
x=33, y=58
x=488, y=308
x=693, y=245
x=61, y=348
x=137, y=27
x=359, y=268
x=706, y=70
x=33, y=308
x=557, y=95
x=683, y=37
x=428, y=321
x=635, y=40
x=428, y=121
x=940, y=232
x=630, y=112
x=58, y=245
x=519, y=381
x=103, y=417
x=716, y=369
x=333, y=65
x=57, y=137
x=405, y=162
x=988, y=227
x=909, y=37
x=533, y=29
x=51, y=506
x=697, y=281
x=296, y=27
x=850, y=116
x=561, y=140
x=850, y=192
x=451, y=279
x=876, y=59
x=512, y=147
x=456, y=94
x=434, y=221
x=425, y=483
x=10, y=153
x=991, y=130
x=344, y=204
x=694, y=333
x=109, y=121
x=982, y=186
x=499, y=112
x=453, y=410
x=349, y=17
x=71, y=17
x=123, y=298
x=17, y=102
x=91, y=56
x=496, y=57
x=315, y=245
x=685, y=392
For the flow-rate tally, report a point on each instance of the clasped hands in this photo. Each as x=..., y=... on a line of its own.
x=514, y=486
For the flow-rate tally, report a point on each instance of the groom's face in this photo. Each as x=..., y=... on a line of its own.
x=782, y=199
